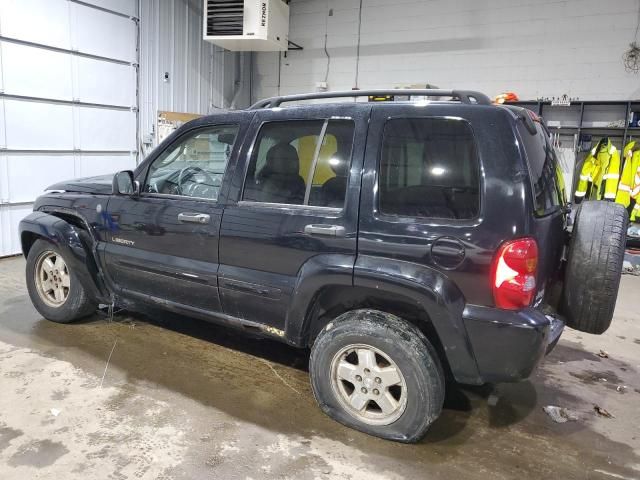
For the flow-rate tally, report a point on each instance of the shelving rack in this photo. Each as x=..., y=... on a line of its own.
x=580, y=117
x=588, y=118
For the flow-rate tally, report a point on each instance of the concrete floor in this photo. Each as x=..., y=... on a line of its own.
x=185, y=399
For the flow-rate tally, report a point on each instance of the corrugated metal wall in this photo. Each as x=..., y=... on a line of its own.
x=202, y=77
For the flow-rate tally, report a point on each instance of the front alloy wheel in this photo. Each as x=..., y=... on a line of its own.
x=54, y=287
x=52, y=279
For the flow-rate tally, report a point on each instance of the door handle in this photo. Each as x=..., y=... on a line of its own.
x=200, y=218
x=329, y=230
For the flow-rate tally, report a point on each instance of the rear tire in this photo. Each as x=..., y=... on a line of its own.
x=402, y=392
x=594, y=267
x=54, y=287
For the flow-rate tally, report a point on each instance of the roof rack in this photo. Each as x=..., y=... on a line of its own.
x=464, y=96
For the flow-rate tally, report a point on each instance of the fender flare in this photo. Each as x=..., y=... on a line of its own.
x=428, y=289
x=438, y=296
x=316, y=273
x=68, y=239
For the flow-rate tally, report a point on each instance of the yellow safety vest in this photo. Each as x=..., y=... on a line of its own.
x=635, y=193
x=628, y=180
x=601, y=165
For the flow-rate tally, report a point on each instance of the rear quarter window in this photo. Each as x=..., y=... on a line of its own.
x=429, y=168
x=546, y=177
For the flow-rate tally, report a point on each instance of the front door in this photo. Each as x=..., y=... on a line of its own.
x=295, y=202
x=163, y=244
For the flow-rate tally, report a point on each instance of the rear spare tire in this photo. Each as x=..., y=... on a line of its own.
x=594, y=266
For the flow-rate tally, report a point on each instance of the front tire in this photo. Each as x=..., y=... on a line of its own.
x=54, y=287
x=378, y=374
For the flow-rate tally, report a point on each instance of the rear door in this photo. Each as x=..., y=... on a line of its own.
x=421, y=194
x=296, y=200
x=162, y=245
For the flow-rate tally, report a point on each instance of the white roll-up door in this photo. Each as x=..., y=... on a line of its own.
x=68, y=98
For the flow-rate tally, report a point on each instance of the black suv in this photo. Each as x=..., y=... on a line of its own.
x=404, y=243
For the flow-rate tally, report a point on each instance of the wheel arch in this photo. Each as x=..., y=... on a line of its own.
x=334, y=300
x=331, y=285
x=29, y=235
x=70, y=235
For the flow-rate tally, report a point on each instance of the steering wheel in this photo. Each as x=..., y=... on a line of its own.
x=188, y=172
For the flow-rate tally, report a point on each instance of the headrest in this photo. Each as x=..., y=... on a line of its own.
x=282, y=159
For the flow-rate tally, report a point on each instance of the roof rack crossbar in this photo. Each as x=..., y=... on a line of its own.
x=464, y=96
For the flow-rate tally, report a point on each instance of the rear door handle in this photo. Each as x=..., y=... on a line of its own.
x=329, y=230
x=201, y=218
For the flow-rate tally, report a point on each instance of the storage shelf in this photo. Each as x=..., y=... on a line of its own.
x=581, y=112
x=604, y=128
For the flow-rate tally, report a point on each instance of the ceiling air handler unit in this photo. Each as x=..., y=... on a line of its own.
x=249, y=25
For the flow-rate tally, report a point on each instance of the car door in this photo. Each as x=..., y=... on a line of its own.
x=295, y=201
x=421, y=193
x=162, y=244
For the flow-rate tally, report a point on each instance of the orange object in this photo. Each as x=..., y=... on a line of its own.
x=506, y=97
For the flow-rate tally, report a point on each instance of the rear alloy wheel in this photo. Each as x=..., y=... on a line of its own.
x=377, y=373
x=369, y=384
x=53, y=286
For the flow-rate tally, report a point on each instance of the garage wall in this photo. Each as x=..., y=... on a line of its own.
x=68, y=105
x=534, y=47
x=81, y=82
x=201, y=76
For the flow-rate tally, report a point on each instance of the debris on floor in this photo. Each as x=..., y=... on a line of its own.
x=603, y=354
x=602, y=412
x=560, y=414
x=108, y=360
x=493, y=400
x=629, y=268
x=55, y=412
x=631, y=264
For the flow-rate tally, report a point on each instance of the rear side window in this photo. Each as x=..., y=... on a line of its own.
x=429, y=168
x=546, y=176
x=301, y=162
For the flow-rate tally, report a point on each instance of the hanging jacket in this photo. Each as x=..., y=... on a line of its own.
x=600, y=173
x=635, y=194
x=631, y=158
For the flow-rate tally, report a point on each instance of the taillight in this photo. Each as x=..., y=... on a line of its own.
x=514, y=273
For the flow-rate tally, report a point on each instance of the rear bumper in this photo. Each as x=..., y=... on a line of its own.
x=508, y=345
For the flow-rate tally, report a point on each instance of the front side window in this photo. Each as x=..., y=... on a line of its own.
x=429, y=168
x=195, y=166
x=301, y=162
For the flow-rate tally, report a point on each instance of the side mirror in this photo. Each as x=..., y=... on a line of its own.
x=123, y=184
